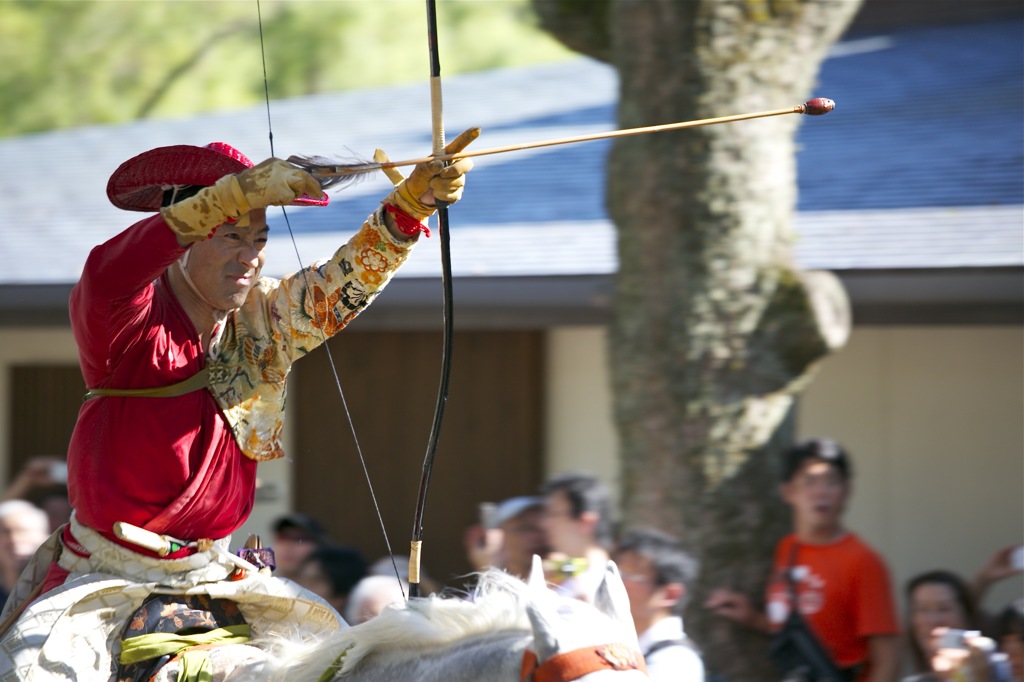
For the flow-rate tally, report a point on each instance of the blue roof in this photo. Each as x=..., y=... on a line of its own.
x=925, y=118
x=929, y=117
x=925, y=163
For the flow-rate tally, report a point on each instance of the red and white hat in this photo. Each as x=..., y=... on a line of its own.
x=139, y=183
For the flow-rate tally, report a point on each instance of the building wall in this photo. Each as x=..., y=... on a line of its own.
x=578, y=421
x=20, y=346
x=932, y=417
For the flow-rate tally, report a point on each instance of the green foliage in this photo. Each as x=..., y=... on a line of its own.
x=79, y=62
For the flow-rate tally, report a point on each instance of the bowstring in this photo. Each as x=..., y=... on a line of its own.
x=323, y=336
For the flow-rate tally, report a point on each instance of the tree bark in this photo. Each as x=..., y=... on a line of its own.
x=714, y=331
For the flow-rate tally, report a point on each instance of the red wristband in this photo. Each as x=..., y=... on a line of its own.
x=407, y=225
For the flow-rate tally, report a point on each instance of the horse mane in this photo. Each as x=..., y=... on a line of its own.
x=497, y=603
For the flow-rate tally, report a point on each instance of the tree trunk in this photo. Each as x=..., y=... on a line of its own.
x=714, y=331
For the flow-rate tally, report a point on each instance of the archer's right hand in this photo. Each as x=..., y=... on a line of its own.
x=271, y=183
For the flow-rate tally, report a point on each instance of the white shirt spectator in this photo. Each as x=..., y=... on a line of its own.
x=675, y=662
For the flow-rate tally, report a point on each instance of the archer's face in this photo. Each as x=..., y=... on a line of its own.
x=225, y=267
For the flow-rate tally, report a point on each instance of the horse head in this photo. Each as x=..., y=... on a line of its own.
x=570, y=644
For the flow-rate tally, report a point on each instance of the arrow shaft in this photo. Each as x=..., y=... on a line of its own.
x=335, y=171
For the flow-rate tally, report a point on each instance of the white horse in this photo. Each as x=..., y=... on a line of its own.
x=506, y=631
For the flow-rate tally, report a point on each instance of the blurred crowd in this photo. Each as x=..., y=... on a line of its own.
x=840, y=584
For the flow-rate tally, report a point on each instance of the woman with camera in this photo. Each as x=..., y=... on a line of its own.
x=945, y=626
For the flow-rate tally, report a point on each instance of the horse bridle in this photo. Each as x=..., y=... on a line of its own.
x=574, y=664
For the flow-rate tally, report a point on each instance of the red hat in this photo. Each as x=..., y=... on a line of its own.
x=138, y=184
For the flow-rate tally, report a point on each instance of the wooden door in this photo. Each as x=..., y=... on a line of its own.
x=44, y=406
x=489, y=449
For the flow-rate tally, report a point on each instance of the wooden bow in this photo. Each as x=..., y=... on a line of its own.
x=446, y=282
x=437, y=125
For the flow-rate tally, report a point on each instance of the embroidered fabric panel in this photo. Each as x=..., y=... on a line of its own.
x=284, y=320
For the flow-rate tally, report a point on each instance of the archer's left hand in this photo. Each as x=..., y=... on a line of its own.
x=431, y=181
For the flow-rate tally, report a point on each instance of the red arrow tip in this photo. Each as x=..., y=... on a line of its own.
x=819, y=106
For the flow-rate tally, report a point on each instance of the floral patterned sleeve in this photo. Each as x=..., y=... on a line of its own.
x=283, y=320
x=321, y=300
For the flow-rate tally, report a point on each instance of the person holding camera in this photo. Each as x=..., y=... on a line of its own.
x=945, y=624
x=829, y=601
x=935, y=599
x=964, y=656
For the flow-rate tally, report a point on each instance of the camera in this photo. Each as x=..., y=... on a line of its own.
x=59, y=472
x=488, y=515
x=1017, y=558
x=956, y=639
x=999, y=664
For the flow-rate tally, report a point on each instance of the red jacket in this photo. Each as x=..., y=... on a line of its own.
x=170, y=465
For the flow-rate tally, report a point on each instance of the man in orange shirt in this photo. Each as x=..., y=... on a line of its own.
x=841, y=584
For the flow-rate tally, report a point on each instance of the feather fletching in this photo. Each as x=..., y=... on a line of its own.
x=335, y=172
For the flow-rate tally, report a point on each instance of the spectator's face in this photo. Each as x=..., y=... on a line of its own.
x=311, y=575
x=314, y=578
x=20, y=537
x=817, y=493
x=649, y=602
x=381, y=595
x=934, y=605
x=58, y=510
x=638, y=576
x=291, y=547
x=523, y=537
x=565, y=533
x=225, y=267
x=1013, y=646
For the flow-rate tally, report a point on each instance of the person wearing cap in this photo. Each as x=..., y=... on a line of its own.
x=185, y=348
x=515, y=537
x=519, y=519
